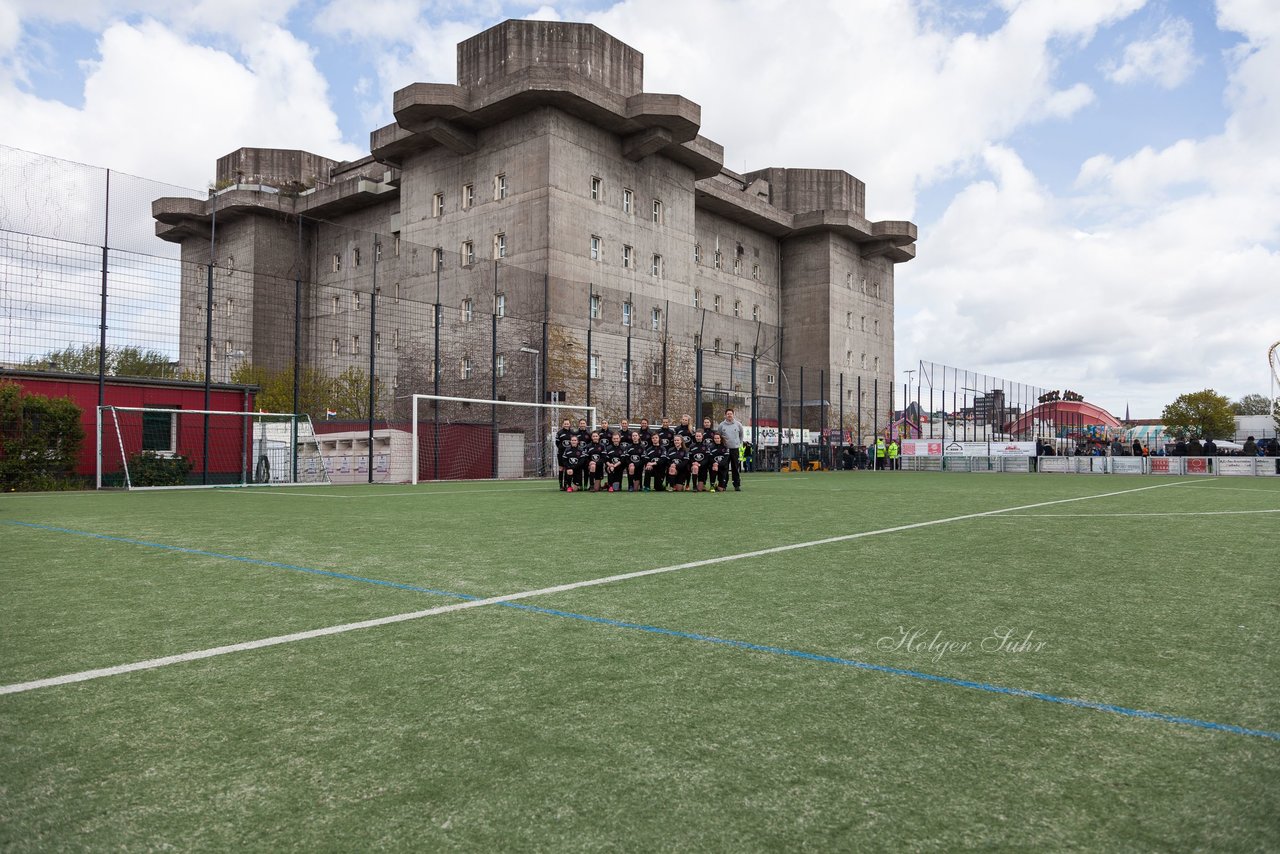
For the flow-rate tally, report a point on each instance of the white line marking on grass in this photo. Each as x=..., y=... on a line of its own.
x=422, y=494
x=1116, y=515
x=151, y=664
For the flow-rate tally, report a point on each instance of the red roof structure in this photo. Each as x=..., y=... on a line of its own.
x=1063, y=413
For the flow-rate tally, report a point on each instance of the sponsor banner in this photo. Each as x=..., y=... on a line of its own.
x=1196, y=465
x=1052, y=464
x=1013, y=449
x=1164, y=465
x=922, y=448
x=1239, y=466
x=1126, y=465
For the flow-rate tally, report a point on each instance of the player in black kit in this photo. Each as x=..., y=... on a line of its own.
x=563, y=435
x=635, y=462
x=615, y=462
x=595, y=461
x=719, y=463
x=573, y=463
x=677, y=464
x=655, y=464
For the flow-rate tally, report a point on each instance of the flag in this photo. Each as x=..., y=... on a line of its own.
x=330, y=413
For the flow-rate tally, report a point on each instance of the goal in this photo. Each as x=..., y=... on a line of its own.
x=158, y=448
x=460, y=438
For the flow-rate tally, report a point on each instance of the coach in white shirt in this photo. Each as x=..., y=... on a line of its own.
x=731, y=431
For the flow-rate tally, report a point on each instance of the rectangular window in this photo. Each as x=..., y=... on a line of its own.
x=595, y=306
x=715, y=303
x=697, y=253
x=499, y=186
x=655, y=371
x=877, y=363
x=626, y=201
x=355, y=345
x=337, y=305
x=500, y=366
x=595, y=367
x=655, y=319
x=337, y=262
x=227, y=349
x=397, y=292
x=500, y=305
x=768, y=379
x=377, y=341
x=466, y=368
x=357, y=302
x=159, y=431
x=626, y=256
x=848, y=319
x=377, y=251
x=231, y=306
x=657, y=212
x=737, y=266
x=655, y=269
x=437, y=259
x=468, y=253
x=437, y=204
x=626, y=314
x=862, y=362
x=737, y=348
x=397, y=247
x=715, y=347
x=468, y=195
x=499, y=246
x=877, y=327
x=355, y=257
x=334, y=347
x=737, y=308
x=755, y=313
x=395, y=338
x=719, y=261
x=595, y=188
x=626, y=369
x=595, y=248
x=697, y=297
x=755, y=272
x=466, y=310
x=864, y=323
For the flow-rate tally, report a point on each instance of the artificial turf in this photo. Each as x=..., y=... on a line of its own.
x=613, y=716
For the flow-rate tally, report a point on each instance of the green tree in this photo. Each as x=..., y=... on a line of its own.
x=1201, y=414
x=127, y=361
x=40, y=440
x=1252, y=404
x=276, y=389
x=349, y=395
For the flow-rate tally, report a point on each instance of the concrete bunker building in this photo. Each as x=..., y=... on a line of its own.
x=548, y=156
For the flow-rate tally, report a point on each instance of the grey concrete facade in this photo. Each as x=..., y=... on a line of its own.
x=589, y=184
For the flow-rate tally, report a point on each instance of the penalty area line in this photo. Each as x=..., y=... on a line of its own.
x=262, y=643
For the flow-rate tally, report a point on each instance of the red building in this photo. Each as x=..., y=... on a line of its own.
x=164, y=433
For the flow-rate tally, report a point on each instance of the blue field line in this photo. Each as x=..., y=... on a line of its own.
x=250, y=560
x=711, y=639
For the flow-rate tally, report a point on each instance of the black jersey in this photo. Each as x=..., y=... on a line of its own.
x=719, y=454
x=699, y=453
x=646, y=435
x=594, y=453
x=678, y=457
x=664, y=436
x=615, y=453
x=655, y=455
x=684, y=432
x=574, y=458
x=562, y=439
x=635, y=453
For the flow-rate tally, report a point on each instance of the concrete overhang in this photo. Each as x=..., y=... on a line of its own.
x=738, y=207
x=431, y=114
x=178, y=217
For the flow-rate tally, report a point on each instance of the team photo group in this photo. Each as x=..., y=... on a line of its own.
x=650, y=459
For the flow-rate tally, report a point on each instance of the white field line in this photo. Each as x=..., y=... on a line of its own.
x=422, y=494
x=1141, y=515
x=152, y=663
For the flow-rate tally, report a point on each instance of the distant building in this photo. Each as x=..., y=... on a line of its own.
x=547, y=156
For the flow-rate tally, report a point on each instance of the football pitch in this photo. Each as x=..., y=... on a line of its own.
x=826, y=661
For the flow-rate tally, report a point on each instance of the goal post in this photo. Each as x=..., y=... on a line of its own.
x=463, y=438
x=161, y=448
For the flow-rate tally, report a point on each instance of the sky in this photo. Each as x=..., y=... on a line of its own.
x=1096, y=182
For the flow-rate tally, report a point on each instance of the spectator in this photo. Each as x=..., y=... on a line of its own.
x=1194, y=448
x=1137, y=448
x=1249, y=448
x=1210, y=447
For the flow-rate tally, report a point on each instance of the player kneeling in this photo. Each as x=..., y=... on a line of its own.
x=573, y=466
x=654, y=465
x=677, y=464
x=720, y=463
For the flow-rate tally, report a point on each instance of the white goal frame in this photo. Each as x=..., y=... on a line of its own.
x=590, y=411
x=296, y=422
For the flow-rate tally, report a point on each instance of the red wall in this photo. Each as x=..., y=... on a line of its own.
x=172, y=394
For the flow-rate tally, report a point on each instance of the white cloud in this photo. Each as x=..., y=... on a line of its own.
x=1167, y=58
x=157, y=105
x=1131, y=292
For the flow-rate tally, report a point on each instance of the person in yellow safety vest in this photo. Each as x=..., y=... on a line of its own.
x=880, y=452
x=893, y=454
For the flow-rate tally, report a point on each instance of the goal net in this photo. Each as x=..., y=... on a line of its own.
x=459, y=438
x=155, y=448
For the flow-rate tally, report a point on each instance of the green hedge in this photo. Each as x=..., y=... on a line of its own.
x=40, y=440
x=148, y=468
